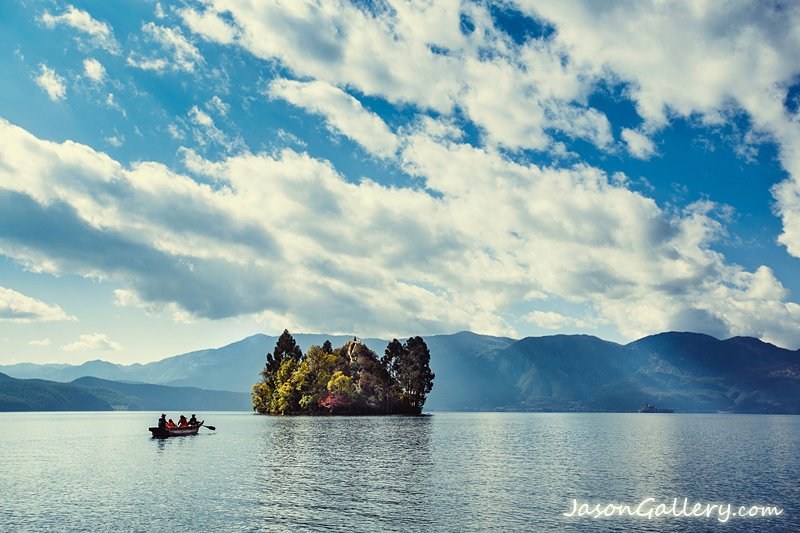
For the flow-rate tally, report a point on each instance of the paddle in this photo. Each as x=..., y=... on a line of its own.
x=212, y=428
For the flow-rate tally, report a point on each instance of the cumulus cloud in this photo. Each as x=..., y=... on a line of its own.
x=693, y=58
x=129, y=298
x=639, y=146
x=100, y=33
x=157, y=64
x=516, y=94
x=94, y=70
x=293, y=241
x=205, y=131
x=40, y=342
x=488, y=234
x=200, y=117
x=208, y=24
x=94, y=342
x=182, y=54
x=216, y=104
x=553, y=321
x=51, y=83
x=706, y=60
x=343, y=113
x=16, y=307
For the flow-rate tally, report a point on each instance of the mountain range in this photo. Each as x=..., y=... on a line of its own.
x=687, y=372
x=94, y=394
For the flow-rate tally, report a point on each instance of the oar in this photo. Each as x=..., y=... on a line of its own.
x=212, y=428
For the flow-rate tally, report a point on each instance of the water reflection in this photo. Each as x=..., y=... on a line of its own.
x=333, y=472
x=447, y=472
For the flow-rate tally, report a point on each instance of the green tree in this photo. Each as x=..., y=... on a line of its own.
x=285, y=347
x=286, y=398
x=268, y=394
x=312, y=376
x=261, y=394
x=414, y=373
x=391, y=357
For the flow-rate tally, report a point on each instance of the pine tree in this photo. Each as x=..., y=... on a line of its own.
x=414, y=373
x=392, y=356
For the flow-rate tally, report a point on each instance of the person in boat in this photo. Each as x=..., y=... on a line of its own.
x=162, y=422
x=171, y=424
x=193, y=421
x=182, y=423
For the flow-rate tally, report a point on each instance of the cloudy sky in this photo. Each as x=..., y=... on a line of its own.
x=176, y=176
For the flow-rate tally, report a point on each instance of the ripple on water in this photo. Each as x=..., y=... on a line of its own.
x=446, y=472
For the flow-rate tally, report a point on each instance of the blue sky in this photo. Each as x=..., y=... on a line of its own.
x=176, y=176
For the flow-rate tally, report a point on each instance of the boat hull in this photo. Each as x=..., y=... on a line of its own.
x=164, y=433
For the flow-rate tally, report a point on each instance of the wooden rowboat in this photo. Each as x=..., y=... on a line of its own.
x=175, y=432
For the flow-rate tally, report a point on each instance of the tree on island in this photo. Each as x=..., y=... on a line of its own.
x=346, y=380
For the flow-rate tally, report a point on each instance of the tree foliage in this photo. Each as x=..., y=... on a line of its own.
x=346, y=380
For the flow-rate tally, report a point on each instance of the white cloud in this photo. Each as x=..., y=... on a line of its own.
x=101, y=33
x=697, y=59
x=209, y=25
x=51, y=83
x=175, y=132
x=675, y=59
x=94, y=70
x=553, y=321
x=111, y=102
x=157, y=64
x=206, y=131
x=343, y=113
x=128, y=298
x=183, y=54
x=40, y=342
x=516, y=95
x=640, y=146
x=291, y=240
x=216, y=104
x=694, y=57
x=201, y=118
x=115, y=140
x=93, y=342
x=16, y=307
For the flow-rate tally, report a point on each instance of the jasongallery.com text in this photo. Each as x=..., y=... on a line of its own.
x=678, y=508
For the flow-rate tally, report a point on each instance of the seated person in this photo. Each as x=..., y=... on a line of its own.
x=182, y=423
x=193, y=421
x=171, y=424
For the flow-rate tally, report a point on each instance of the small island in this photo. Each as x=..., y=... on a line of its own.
x=350, y=380
x=648, y=408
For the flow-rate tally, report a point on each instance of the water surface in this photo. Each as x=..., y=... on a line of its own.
x=445, y=472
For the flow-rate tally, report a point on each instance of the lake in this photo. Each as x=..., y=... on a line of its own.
x=444, y=472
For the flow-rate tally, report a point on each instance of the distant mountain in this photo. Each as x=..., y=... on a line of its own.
x=686, y=372
x=146, y=397
x=94, y=394
x=41, y=395
x=235, y=367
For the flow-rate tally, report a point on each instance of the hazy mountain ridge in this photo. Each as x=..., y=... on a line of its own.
x=95, y=394
x=687, y=372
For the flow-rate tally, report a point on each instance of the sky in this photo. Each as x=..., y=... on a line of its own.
x=179, y=175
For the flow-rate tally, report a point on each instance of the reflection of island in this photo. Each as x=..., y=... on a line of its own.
x=647, y=408
x=346, y=380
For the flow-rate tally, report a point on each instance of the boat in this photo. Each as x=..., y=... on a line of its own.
x=163, y=433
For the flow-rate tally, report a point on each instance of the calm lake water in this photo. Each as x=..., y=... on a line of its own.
x=445, y=472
